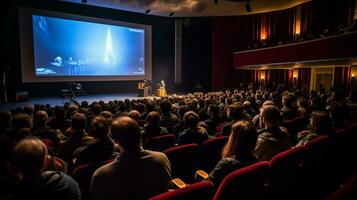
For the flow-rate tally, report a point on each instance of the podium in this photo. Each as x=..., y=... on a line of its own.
x=142, y=90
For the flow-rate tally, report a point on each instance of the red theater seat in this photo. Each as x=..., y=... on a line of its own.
x=209, y=153
x=160, y=143
x=197, y=191
x=285, y=173
x=245, y=183
x=183, y=161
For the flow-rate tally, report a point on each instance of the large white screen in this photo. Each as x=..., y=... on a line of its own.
x=57, y=47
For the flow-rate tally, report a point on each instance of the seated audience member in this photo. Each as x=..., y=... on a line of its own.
x=42, y=130
x=320, y=124
x=29, y=159
x=101, y=148
x=135, y=115
x=40, y=121
x=152, y=128
x=135, y=173
x=214, y=119
x=247, y=105
x=272, y=139
x=235, y=113
x=238, y=152
x=257, y=119
x=287, y=112
x=302, y=107
x=179, y=127
x=167, y=119
x=193, y=133
x=5, y=121
x=76, y=133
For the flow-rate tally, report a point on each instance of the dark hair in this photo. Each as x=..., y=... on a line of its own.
x=79, y=122
x=28, y=156
x=236, y=112
x=271, y=114
x=320, y=122
x=99, y=127
x=153, y=118
x=40, y=118
x=21, y=121
x=191, y=119
x=242, y=140
x=126, y=132
x=165, y=107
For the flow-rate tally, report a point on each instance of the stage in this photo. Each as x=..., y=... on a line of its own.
x=57, y=100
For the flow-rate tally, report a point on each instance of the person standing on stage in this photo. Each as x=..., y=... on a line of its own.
x=162, y=88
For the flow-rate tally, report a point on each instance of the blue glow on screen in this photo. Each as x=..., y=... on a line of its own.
x=64, y=47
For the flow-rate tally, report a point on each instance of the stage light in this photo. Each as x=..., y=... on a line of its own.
x=147, y=11
x=171, y=14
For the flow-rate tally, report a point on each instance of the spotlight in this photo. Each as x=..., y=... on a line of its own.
x=171, y=14
x=247, y=7
x=147, y=11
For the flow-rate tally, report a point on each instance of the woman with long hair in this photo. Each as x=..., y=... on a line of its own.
x=238, y=152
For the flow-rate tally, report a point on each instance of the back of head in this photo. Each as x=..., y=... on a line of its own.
x=28, y=157
x=320, y=122
x=126, y=132
x=235, y=112
x=21, y=121
x=99, y=127
x=242, y=141
x=165, y=107
x=153, y=118
x=5, y=117
x=134, y=114
x=40, y=118
x=79, y=122
x=191, y=119
x=271, y=115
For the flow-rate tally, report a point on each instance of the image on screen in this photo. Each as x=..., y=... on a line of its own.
x=64, y=47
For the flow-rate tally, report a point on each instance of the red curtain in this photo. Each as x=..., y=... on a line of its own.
x=304, y=77
x=342, y=77
x=282, y=76
x=246, y=76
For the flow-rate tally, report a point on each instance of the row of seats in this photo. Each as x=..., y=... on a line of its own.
x=310, y=172
x=315, y=170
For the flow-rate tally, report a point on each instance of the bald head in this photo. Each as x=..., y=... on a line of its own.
x=28, y=157
x=126, y=132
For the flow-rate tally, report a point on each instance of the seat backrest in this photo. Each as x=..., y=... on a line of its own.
x=196, y=191
x=245, y=183
x=183, y=161
x=285, y=171
x=160, y=143
x=318, y=152
x=209, y=153
x=83, y=176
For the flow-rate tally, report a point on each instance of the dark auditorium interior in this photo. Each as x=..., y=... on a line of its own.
x=178, y=99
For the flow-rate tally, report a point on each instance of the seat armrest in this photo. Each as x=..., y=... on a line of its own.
x=178, y=183
x=201, y=175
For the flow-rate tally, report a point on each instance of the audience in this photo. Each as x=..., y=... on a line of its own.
x=273, y=139
x=29, y=159
x=100, y=148
x=135, y=173
x=320, y=124
x=193, y=133
x=238, y=152
x=152, y=128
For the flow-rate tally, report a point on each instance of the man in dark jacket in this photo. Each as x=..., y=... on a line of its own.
x=29, y=159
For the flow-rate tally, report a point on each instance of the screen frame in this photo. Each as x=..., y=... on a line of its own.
x=27, y=47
